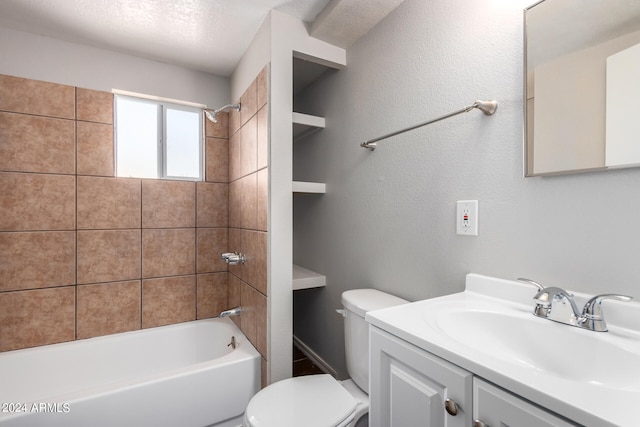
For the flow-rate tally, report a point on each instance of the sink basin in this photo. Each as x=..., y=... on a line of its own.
x=591, y=378
x=598, y=358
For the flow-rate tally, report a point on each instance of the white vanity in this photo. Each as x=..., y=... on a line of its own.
x=481, y=358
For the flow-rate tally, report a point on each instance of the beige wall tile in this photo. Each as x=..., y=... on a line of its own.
x=36, y=144
x=37, y=202
x=235, y=245
x=248, y=201
x=36, y=317
x=168, y=204
x=168, y=300
x=261, y=324
x=234, y=120
x=94, y=106
x=36, y=97
x=234, y=297
x=262, y=200
x=249, y=101
x=254, y=270
x=263, y=137
x=212, y=242
x=235, y=142
x=107, y=203
x=212, y=294
x=220, y=129
x=249, y=147
x=249, y=303
x=213, y=204
x=217, y=160
x=37, y=260
x=95, y=149
x=108, y=255
x=108, y=308
x=262, y=87
x=235, y=194
x=168, y=252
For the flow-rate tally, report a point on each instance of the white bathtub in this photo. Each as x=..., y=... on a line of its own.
x=177, y=375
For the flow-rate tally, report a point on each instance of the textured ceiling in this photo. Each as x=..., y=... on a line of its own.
x=206, y=35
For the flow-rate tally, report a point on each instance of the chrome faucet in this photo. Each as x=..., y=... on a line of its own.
x=233, y=258
x=556, y=304
x=232, y=312
x=592, y=316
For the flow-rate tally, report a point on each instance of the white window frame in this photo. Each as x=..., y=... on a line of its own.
x=161, y=105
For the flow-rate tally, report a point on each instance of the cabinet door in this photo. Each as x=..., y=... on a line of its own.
x=409, y=386
x=495, y=407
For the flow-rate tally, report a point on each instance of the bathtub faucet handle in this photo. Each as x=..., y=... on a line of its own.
x=233, y=258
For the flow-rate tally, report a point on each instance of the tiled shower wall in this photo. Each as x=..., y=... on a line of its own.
x=83, y=253
x=248, y=199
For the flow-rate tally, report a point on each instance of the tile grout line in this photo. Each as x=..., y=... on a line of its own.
x=141, y=257
x=75, y=154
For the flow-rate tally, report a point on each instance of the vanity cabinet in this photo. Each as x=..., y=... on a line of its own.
x=409, y=386
x=493, y=406
x=412, y=387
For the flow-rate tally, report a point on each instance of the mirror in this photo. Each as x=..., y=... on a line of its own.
x=582, y=86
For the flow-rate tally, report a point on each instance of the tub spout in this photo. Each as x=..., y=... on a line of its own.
x=232, y=312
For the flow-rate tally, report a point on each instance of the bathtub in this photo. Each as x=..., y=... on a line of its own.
x=177, y=375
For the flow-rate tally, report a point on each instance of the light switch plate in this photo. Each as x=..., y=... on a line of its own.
x=467, y=217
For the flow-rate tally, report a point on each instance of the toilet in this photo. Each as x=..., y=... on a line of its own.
x=321, y=400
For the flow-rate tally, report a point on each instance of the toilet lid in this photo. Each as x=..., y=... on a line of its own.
x=310, y=401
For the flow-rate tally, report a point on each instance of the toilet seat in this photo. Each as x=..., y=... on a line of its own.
x=310, y=401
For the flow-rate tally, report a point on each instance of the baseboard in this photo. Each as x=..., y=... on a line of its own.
x=313, y=356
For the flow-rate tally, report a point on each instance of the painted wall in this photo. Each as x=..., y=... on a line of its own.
x=387, y=220
x=43, y=58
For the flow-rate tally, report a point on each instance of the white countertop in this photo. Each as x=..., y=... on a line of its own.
x=576, y=397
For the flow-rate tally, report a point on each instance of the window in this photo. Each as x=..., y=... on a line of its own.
x=157, y=139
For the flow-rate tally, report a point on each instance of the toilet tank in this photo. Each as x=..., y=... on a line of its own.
x=357, y=303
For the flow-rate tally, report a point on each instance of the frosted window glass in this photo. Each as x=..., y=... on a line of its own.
x=137, y=138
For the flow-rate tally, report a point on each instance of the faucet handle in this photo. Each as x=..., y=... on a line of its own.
x=531, y=282
x=592, y=317
x=593, y=308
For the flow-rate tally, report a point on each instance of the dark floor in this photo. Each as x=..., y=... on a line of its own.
x=302, y=365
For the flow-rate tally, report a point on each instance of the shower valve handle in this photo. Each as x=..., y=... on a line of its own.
x=233, y=258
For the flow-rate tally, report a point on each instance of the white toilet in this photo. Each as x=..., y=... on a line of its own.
x=320, y=400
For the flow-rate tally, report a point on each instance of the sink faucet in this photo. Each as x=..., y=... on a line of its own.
x=556, y=304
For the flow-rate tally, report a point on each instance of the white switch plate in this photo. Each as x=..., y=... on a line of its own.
x=467, y=217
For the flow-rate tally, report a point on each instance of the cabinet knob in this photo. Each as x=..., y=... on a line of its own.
x=451, y=407
x=478, y=423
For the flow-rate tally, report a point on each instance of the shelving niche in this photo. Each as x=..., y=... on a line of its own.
x=305, y=72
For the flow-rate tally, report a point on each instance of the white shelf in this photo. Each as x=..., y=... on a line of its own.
x=306, y=279
x=309, y=187
x=305, y=124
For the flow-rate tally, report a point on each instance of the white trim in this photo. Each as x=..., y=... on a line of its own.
x=157, y=98
x=313, y=356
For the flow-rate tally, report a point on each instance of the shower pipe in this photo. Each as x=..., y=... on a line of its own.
x=487, y=107
x=212, y=115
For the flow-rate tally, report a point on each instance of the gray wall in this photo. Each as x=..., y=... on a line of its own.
x=43, y=58
x=387, y=220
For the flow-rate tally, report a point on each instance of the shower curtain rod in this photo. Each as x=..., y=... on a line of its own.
x=487, y=107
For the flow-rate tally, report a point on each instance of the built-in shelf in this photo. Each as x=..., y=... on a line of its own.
x=309, y=187
x=306, y=279
x=306, y=124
